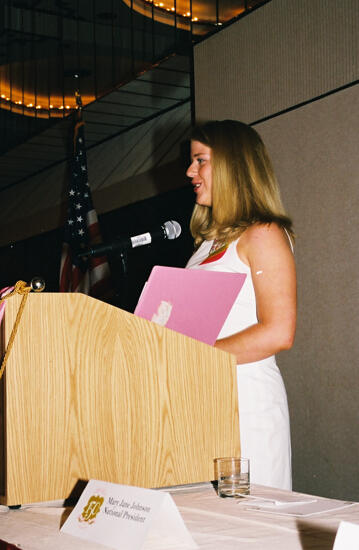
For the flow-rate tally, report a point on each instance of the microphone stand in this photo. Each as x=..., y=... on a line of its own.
x=124, y=259
x=123, y=285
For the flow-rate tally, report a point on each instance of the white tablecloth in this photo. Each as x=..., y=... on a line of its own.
x=215, y=524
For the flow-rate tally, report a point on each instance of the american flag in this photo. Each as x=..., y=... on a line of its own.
x=90, y=276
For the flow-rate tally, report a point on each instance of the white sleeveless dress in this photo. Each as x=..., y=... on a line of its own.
x=263, y=407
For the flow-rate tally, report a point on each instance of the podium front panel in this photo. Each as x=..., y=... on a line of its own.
x=93, y=392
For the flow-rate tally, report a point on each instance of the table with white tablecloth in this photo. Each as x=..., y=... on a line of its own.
x=214, y=523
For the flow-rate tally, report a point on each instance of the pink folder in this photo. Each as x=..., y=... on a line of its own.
x=193, y=302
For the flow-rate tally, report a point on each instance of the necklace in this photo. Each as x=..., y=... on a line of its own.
x=216, y=252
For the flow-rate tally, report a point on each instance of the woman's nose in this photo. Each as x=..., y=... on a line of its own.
x=191, y=170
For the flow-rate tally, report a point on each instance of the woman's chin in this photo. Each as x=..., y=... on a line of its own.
x=203, y=202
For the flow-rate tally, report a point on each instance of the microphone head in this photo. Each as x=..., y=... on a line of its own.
x=172, y=229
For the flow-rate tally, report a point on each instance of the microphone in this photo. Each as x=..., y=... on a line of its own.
x=169, y=230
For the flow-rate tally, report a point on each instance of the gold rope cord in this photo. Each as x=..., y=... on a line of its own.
x=20, y=288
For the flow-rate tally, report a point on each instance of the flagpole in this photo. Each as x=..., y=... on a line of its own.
x=77, y=93
x=81, y=227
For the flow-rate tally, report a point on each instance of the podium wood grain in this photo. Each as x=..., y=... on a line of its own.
x=93, y=392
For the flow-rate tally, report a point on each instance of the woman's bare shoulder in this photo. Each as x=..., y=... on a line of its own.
x=261, y=239
x=264, y=234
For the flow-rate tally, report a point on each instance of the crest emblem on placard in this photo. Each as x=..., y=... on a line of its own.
x=91, y=509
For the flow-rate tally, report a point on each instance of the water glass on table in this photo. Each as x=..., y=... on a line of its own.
x=232, y=474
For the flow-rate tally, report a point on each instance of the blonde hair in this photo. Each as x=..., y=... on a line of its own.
x=244, y=188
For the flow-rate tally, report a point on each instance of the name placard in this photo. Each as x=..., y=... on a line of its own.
x=122, y=516
x=347, y=537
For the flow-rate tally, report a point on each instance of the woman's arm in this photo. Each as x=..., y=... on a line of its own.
x=266, y=249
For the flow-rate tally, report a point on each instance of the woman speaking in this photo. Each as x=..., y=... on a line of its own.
x=239, y=225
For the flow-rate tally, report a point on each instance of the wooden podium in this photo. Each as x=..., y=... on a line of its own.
x=93, y=392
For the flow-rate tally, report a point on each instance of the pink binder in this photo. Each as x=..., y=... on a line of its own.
x=193, y=302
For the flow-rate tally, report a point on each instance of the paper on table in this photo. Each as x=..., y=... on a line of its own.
x=303, y=508
x=285, y=500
